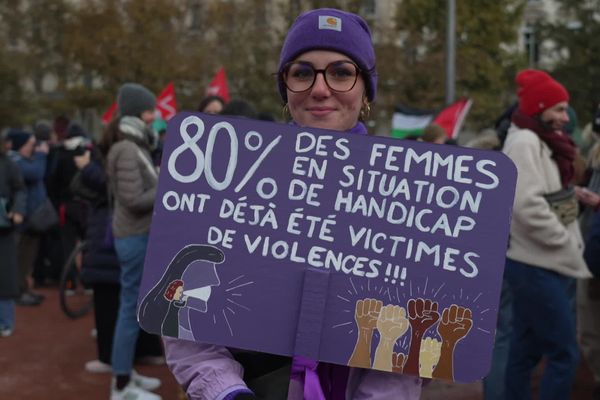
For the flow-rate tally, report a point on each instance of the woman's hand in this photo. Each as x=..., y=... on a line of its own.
x=82, y=160
x=587, y=197
x=16, y=218
x=42, y=147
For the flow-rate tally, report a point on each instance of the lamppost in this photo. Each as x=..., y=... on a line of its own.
x=451, y=52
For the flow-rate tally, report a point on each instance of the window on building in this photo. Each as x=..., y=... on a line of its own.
x=369, y=8
x=532, y=47
x=195, y=16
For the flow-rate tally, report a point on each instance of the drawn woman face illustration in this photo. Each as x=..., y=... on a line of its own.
x=199, y=277
x=178, y=293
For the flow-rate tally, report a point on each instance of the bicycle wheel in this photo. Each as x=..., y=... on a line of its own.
x=75, y=298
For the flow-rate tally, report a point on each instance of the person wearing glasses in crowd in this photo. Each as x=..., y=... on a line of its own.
x=327, y=79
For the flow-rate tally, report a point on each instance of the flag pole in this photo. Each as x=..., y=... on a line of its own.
x=450, y=51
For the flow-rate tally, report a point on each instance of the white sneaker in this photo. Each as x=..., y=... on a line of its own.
x=5, y=332
x=97, y=367
x=132, y=392
x=144, y=382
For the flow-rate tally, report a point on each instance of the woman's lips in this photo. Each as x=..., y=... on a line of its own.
x=320, y=111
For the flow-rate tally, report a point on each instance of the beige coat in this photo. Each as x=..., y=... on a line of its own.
x=537, y=237
x=133, y=182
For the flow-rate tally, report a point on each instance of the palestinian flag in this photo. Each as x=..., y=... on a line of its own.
x=409, y=122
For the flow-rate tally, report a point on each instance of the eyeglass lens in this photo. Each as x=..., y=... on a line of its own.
x=340, y=76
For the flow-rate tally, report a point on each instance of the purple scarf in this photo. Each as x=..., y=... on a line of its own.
x=563, y=148
x=359, y=128
x=323, y=381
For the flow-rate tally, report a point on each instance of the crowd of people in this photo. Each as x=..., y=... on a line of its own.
x=58, y=186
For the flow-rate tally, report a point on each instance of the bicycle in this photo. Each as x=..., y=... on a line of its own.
x=75, y=299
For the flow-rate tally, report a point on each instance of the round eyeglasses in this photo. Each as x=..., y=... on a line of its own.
x=300, y=76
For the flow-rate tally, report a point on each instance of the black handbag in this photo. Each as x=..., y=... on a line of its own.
x=81, y=190
x=43, y=218
x=564, y=204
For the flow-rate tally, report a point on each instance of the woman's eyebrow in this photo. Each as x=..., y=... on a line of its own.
x=329, y=63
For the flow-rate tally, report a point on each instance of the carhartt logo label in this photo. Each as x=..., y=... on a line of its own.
x=332, y=23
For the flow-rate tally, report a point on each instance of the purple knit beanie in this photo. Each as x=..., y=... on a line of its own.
x=335, y=30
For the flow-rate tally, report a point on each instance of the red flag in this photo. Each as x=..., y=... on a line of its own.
x=452, y=117
x=108, y=115
x=165, y=102
x=218, y=86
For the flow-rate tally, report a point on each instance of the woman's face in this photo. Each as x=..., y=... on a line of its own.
x=320, y=107
x=178, y=293
x=214, y=107
x=148, y=116
x=556, y=116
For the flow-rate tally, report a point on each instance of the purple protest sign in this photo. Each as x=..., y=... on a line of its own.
x=355, y=250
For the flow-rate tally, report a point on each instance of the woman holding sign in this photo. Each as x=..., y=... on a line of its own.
x=132, y=182
x=326, y=79
x=545, y=253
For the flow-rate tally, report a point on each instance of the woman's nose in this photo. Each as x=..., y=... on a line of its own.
x=320, y=87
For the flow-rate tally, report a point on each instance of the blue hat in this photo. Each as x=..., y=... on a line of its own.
x=75, y=130
x=18, y=138
x=134, y=99
x=335, y=30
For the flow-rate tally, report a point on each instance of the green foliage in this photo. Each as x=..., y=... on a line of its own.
x=125, y=41
x=577, y=51
x=11, y=96
x=31, y=38
x=93, y=46
x=484, y=68
x=244, y=40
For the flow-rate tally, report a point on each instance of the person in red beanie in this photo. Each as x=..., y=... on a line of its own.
x=545, y=254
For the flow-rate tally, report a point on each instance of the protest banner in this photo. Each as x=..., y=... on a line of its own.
x=355, y=250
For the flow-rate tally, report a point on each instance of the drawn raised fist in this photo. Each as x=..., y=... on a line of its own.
x=422, y=315
x=455, y=324
x=398, y=360
x=367, y=312
x=392, y=322
x=429, y=356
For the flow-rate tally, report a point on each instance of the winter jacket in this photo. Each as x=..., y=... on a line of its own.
x=64, y=168
x=33, y=170
x=133, y=181
x=12, y=186
x=210, y=372
x=537, y=236
x=100, y=263
x=590, y=218
x=12, y=189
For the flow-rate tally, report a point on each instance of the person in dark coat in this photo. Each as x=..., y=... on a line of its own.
x=50, y=258
x=101, y=269
x=12, y=201
x=72, y=210
x=31, y=159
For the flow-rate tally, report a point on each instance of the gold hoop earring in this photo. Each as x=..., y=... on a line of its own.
x=285, y=112
x=365, y=111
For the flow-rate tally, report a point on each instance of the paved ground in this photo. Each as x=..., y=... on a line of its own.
x=44, y=360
